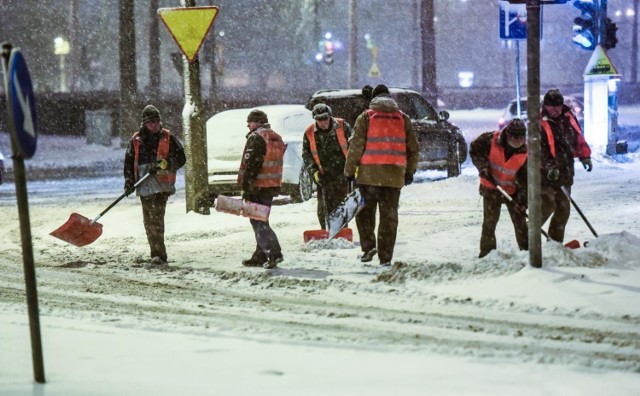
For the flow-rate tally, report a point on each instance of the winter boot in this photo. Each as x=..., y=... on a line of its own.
x=368, y=256
x=273, y=263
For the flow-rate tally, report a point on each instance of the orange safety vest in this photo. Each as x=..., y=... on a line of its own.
x=503, y=171
x=386, y=139
x=271, y=173
x=162, y=175
x=342, y=140
x=582, y=150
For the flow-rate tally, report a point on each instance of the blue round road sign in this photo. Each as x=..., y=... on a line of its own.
x=22, y=105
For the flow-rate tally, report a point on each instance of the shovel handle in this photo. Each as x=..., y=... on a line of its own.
x=124, y=194
x=575, y=205
x=512, y=202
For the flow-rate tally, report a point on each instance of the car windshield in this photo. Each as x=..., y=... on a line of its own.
x=416, y=107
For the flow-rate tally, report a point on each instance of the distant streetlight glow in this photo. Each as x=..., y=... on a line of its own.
x=465, y=79
x=61, y=48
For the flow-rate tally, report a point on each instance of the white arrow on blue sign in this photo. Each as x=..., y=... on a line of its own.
x=22, y=105
x=513, y=21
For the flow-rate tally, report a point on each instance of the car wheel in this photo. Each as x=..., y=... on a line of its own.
x=304, y=190
x=454, y=165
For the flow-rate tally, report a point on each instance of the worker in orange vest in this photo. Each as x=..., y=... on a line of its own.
x=384, y=149
x=501, y=159
x=260, y=177
x=561, y=141
x=153, y=149
x=324, y=151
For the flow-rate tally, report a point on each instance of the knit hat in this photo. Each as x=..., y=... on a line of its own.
x=150, y=113
x=380, y=90
x=367, y=92
x=553, y=97
x=321, y=111
x=516, y=128
x=257, y=116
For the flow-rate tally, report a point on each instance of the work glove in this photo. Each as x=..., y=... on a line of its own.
x=408, y=178
x=553, y=174
x=162, y=164
x=520, y=208
x=586, y=162
x=317, y=177
x=128, y=183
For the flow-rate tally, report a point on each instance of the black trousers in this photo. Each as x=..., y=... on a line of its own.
x=153, y=210
x=387, y=199
x=492, y=204
x=331, y=195
x=267, y=244
x=554, y=202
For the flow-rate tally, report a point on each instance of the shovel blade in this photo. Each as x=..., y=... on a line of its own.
x=572, y=244
x=312, y=235
x=78, y=230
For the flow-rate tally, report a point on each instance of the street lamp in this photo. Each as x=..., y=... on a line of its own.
x=61, y=47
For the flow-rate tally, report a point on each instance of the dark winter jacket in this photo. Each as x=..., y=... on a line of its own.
x=479, y=152
x=255, y=150
x=331, y=156
x=148, y=153
x=380, y=175
x=566, y=142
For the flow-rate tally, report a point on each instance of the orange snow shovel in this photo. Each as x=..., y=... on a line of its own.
x=313, y=235
x=81, y=231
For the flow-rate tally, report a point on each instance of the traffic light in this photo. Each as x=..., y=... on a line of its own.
x=584, y=34
x=326, y=48
x=609, y=39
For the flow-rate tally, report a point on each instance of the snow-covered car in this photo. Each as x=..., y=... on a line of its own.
x=226, y=132
x=442, y=144
x=511, y=111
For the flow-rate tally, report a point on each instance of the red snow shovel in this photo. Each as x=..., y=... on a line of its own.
x=574, y=244
x=313, y=235
x=81, y=231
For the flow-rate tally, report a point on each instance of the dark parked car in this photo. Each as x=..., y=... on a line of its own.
x=442, y=145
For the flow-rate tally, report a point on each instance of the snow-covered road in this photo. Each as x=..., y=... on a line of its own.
x=578, y=314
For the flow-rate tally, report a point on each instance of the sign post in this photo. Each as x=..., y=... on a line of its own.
x=188, y=27
x=23, y=127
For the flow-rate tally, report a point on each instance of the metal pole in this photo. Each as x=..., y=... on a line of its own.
x=25, y=234
x=195, y=140
x=518, y=79
x=353, y=45
x=634, y=44
x=533, y=109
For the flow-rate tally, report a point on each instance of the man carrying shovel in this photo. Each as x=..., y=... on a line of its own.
x=501, y=159
x=260, y=177
x=324, y=150
x=156, y=151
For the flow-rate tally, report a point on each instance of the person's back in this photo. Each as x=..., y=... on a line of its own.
x=383, y=152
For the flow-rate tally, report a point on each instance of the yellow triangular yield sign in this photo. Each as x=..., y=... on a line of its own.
x=188, y=26
x=600, y=64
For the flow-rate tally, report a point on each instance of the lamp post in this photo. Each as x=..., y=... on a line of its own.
x=61, y=47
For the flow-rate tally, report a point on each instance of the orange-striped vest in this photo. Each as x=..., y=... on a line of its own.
x=582, y=149
x=386, y=139
x=162, y=175
x=342, y=140
x=503, y=171
x=271, y=173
